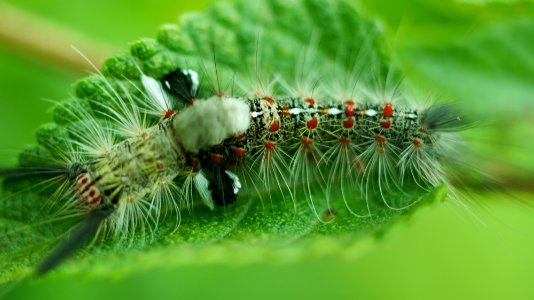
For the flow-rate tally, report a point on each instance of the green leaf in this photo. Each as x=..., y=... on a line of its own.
x=252, y=229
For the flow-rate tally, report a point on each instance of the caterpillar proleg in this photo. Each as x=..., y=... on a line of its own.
x=243, y=116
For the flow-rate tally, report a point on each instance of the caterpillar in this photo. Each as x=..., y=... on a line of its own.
x=211, y=141
x=149, y=143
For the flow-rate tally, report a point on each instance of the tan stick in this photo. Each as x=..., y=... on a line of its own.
x=36, y=36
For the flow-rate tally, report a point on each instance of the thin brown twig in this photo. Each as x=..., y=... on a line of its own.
x=39, y=37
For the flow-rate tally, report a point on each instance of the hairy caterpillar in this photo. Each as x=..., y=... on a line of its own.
x=160, y=150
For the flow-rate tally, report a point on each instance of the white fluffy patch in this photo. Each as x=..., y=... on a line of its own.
x=194, y=80
x=236, y=183
x=202, y=186
x=209, y=122
x=371, y=112
x=155, y=92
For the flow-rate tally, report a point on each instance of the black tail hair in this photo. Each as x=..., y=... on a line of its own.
x=443, y=117
x=78, y=237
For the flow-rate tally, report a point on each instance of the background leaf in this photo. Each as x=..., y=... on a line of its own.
x=253, y=229
x=440, y=252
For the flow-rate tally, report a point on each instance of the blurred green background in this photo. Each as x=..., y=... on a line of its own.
x=479, y=53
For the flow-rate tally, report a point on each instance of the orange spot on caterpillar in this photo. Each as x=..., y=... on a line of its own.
x=168, y=114
x=274, y=126
x=380, y=138
x=239, y=152
x=385, y=124
x=91, y=196
x=348, y=123
x=349, y=108
x=83, y=183
x=417, y=143
x=96, y=200
x=269, y=100
x=311, y=101
x=312, y=123
x=388, y=110
x=269, y=144
x=160, y=165
x=217, y=158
